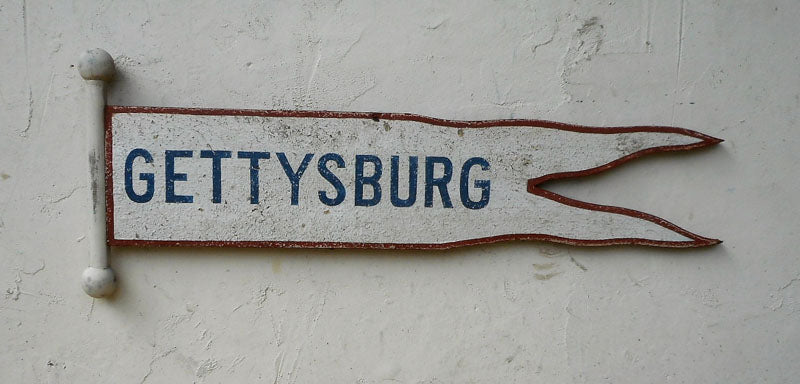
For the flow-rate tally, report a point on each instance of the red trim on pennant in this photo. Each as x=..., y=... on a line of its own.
x=697, y=241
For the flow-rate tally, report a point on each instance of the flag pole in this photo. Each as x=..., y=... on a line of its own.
x=96, y=66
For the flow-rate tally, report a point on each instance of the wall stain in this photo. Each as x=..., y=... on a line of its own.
x=549, y=251
x=578, y=264
x=543, y=266
x=546, y=276
x=276, y=265
x=93, y=163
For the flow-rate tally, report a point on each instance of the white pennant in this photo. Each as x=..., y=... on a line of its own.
x=489, y=193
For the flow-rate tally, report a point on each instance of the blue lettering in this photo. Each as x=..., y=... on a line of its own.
x=294, y=176
x=171, y=177
x=412, y=182
x=371, y=180
x=438, y=175
x=216, y=172
x=322, y=166
x=484, y=185
x=148, y=177
x=439, y=182
x=254, y=158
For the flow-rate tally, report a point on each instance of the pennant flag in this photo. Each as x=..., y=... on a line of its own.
x=245, y=178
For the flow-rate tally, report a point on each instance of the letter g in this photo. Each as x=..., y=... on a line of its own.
x=148, y=177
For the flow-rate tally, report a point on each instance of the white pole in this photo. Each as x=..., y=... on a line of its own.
x=97, y=67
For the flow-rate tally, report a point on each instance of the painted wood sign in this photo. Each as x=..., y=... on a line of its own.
x=206, y=177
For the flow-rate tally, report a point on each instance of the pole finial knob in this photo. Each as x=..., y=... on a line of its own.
x=96, y=64
x=99, y=282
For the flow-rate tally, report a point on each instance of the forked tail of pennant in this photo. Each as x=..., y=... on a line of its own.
x=249, y=178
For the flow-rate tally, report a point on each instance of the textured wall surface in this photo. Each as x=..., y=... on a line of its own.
x=513, y=312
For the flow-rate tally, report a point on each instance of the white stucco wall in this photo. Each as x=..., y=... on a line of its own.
x=513, y=312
